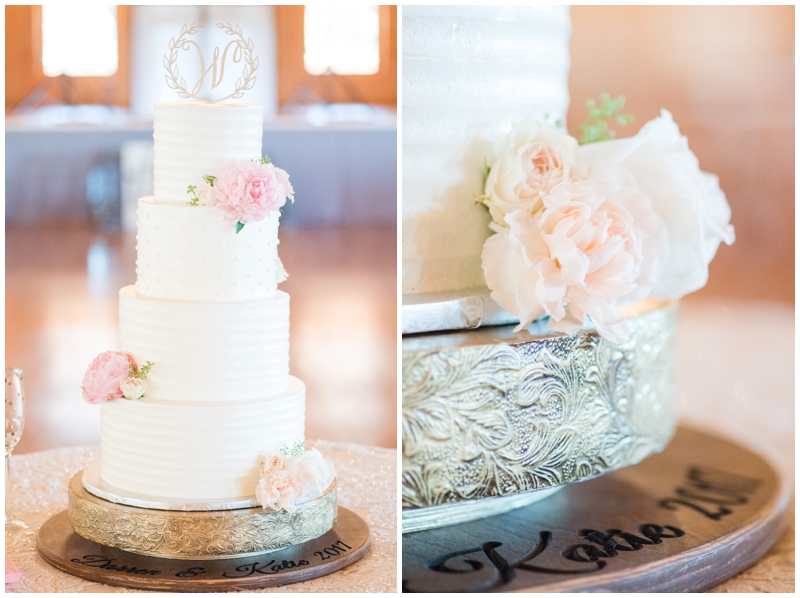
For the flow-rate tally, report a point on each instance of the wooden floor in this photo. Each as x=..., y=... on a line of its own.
x=61, y=311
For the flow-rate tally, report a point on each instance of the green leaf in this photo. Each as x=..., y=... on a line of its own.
x=239, y=227
x=595, y=127
x=209, y=179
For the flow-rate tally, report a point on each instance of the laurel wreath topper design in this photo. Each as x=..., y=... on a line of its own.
x=241, y=50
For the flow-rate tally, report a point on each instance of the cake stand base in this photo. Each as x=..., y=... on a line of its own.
x=684, y=520
x=60, y=546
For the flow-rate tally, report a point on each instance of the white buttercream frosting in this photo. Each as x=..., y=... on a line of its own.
x=196, y=451
x=469, y=72
x=207, y=351
x=206, y=312
x=193, y=253
x=192, y=140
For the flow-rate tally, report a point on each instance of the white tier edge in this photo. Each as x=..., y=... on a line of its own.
x=207, y=351
x=196, y=451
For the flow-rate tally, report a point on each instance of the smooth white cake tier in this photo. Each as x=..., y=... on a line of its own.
x=469, y=72
x=192, y=140
x=207, y=351
x=194, y=253
x=196, y=451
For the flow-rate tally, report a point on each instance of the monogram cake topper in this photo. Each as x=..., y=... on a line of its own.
x=241, y=50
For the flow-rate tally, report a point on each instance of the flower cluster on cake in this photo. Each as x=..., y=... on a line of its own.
x=583, y=228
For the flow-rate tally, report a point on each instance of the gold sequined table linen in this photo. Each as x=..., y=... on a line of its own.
x=366, y=483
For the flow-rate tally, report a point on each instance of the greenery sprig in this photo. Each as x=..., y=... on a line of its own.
x=295, y=449
x=595, y=127
x=193, y=200
x=141, y=372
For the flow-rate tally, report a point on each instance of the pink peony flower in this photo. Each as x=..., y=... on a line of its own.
x=591, y=250
x=247, y=191
x=278, y=491
x=102, y=380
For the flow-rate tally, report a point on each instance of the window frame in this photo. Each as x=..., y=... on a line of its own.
x=24, y=69
x=380, y=88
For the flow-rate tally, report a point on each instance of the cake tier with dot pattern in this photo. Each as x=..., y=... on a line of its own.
x=193, y=253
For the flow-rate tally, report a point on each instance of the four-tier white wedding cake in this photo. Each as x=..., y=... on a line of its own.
x=207, y=312
x=212, y=415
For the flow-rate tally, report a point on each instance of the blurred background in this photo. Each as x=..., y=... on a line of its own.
x=80, y=89
x=727, y=74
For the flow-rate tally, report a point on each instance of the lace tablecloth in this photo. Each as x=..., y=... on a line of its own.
x=367, y=485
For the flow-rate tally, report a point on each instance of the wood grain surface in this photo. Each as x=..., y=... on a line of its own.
x=684, y=520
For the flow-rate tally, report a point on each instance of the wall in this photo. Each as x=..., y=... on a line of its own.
x=727, y=75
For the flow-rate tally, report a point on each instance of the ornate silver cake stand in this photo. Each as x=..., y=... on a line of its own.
x=497, y=417
x=117, y=538
x=194, y=534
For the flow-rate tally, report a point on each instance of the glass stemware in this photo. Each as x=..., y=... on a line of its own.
x=15, y=422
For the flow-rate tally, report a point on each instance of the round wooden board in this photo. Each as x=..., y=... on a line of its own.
x=683, y=520
x=60, y=546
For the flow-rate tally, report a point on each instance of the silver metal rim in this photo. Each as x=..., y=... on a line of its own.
x=416, y=520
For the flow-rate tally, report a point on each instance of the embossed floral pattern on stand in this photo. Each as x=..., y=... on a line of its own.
x=500, y=419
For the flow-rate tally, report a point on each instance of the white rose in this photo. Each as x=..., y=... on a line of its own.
x=535, y=158
x=313, y=473
x=205, y=194
x=133, y=388
x=659, y=162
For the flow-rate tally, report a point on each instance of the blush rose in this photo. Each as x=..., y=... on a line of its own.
x=273, y=464
x=536, y=158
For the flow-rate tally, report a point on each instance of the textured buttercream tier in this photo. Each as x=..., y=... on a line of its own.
x=208, y=351
x=193, y=253
x=192, y=140
x=469, y=72
x=196, y=451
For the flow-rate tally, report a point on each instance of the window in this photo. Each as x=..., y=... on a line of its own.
x=79, y=43
x=27, y=84
x=343, y=40
x=299, y=54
